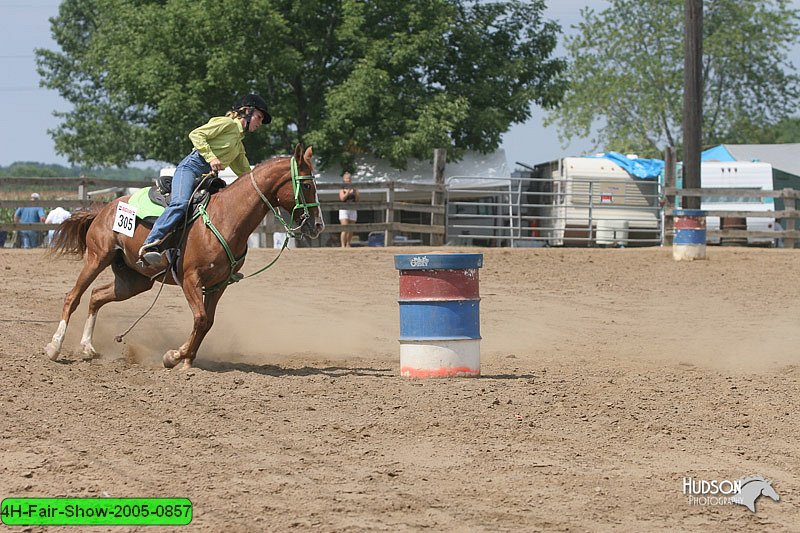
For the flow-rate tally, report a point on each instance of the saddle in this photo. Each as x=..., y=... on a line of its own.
x=150, y=202
x=160, y=194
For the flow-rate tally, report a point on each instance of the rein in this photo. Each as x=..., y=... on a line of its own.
x=299, y=202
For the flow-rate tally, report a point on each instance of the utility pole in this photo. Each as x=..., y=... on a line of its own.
x=692, y=98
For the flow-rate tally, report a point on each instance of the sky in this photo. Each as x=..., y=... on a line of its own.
x=26, y=110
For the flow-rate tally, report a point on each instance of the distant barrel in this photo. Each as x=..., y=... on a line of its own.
x=689, y=242
x=735, y=223
x=439, y=314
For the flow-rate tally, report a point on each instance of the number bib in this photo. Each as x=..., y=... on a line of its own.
x=125, y=219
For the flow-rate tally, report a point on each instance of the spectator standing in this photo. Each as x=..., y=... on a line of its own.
x=29, y=215
x=56, y=216
x=348, y=216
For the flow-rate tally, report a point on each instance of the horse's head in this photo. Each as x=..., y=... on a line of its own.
x=769, y=491
x=298, y=195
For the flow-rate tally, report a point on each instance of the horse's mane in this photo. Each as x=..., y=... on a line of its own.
x=263, y=165
x=748, y=479
x=269, y=160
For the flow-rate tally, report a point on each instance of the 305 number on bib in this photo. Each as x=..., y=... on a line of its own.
x=125, y=219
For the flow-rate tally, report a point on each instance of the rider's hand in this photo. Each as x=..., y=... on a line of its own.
x=216, y=165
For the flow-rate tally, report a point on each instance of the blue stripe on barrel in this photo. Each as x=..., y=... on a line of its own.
x=689, y=236
x=689, y=213
x=438, y=320
x=437, y=261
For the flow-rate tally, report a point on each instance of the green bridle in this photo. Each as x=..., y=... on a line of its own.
x=299, y=199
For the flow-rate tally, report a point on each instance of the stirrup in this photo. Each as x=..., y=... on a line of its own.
x=151, y=248
x=154, y=258
x=151, y=255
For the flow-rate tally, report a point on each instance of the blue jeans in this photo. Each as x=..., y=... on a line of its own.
x=183, y=182
x=28, y=238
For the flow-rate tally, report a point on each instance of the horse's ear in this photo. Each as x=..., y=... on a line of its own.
x=298, y=151
x=307, y=155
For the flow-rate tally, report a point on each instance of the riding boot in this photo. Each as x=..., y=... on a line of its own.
x=152, y=254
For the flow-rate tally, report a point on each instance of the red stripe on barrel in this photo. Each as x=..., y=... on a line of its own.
x=439, y=284
x=690, y=222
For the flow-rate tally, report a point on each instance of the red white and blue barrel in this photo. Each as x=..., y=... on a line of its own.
x=689, y=242
x=440, y=326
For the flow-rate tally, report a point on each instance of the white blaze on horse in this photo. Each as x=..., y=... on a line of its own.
x=205, y=263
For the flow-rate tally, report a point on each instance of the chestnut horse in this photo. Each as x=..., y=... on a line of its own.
x=235, y=211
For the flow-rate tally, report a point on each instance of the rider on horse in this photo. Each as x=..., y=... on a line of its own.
x=217, y=144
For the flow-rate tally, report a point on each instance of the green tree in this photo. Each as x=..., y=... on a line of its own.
x=25, y=169
x=395, y=79
x=786, y=130
x=626, y=73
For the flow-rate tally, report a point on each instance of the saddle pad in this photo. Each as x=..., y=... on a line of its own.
x=145, y=208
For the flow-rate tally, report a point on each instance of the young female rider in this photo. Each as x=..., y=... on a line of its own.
x=217, y=144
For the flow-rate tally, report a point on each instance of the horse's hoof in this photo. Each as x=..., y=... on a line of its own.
x=89, y=351
x=51, y=351
x=187, y=364
x=170, y=359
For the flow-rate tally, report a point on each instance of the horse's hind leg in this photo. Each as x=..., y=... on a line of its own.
x=91, y=269
x=127, y=283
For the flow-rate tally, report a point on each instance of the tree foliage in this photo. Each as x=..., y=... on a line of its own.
x=394, y=79
x=29, y=169
x=626, y=73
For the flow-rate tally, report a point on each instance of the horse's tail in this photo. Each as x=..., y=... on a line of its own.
x=70, y=237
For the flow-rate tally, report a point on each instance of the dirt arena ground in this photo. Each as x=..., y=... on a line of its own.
x=608, y=377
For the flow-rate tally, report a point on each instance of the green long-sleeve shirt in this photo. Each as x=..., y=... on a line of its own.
x=221, y=138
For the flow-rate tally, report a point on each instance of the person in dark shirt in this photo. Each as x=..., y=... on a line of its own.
x=29, y=215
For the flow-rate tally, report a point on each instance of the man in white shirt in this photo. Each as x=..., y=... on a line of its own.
x=56, y=216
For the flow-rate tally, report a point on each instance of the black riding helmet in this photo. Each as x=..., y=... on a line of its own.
x=250, y=102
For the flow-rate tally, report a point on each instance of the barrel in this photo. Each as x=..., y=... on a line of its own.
x=739, y=223
x=689, y=242
x=439, y=315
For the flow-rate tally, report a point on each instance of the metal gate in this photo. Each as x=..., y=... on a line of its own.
x=532, y=212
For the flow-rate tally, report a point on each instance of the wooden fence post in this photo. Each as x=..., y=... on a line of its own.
x=83, y=193
x=437, y=198
x=789, y=223
x=388, y=235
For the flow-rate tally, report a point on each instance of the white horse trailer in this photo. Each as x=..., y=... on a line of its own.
x=594, y=201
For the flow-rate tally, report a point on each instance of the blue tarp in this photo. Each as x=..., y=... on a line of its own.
x=638, y=168
x=718, y=153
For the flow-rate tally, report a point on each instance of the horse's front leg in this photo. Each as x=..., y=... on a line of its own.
x=203, y=309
